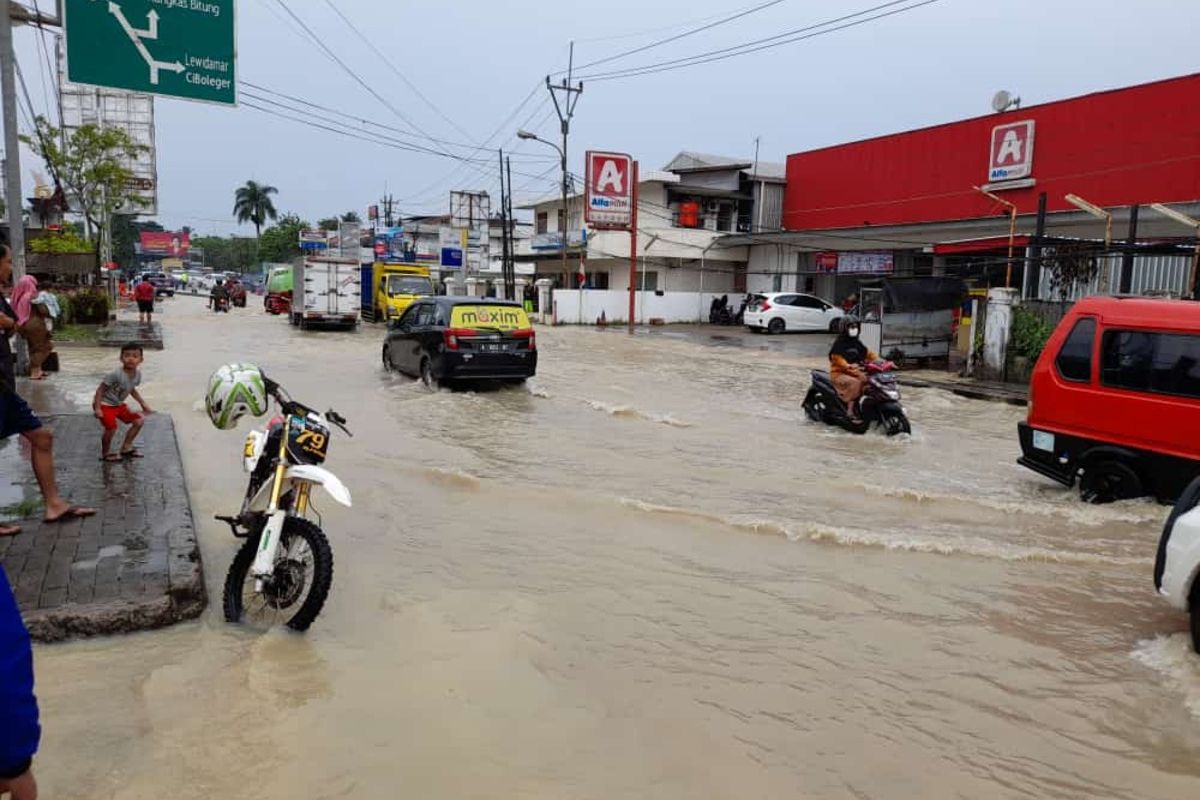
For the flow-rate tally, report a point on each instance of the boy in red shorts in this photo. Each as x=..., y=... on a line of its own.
x=109, y=404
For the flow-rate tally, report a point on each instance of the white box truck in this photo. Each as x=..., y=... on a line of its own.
x=325, y=292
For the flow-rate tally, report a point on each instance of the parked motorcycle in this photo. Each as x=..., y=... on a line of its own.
x=284, y=571
x=721, y=313
x=880, y=402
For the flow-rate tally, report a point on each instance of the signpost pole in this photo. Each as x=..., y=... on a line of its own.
x=633, y=247
x=12, y=144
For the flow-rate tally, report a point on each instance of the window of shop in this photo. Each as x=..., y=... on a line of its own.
x=1075, y=358
x=1162, y=363
x=648, y=281
x=543, y=222
x=597, y=280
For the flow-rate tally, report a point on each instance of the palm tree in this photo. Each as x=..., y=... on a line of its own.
x=252, y=203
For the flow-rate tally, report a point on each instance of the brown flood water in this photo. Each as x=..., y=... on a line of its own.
x=642, y=576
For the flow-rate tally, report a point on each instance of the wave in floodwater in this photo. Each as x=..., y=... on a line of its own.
x=453, y=478
x=1174, y=659
x=1133, y=512
x=629, y=412
x=537, y=391
x=849, y=537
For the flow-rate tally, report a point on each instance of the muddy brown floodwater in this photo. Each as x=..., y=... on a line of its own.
x=642, y=576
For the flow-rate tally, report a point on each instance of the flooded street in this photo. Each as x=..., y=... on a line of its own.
x=644, y=575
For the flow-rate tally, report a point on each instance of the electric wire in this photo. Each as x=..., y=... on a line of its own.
x=731, y=18
x=788, y=37
x=392, y=66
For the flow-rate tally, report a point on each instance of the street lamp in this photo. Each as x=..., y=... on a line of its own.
x=1012, y=229
x=1184, y=219
x=1099, y=213
x=562, y=154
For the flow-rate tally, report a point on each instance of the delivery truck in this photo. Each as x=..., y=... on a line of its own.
x=389, y=289
x=326, y=292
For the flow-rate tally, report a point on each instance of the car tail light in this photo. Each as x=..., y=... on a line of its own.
x=452, y=337
x=527, y=333
x=764, y=307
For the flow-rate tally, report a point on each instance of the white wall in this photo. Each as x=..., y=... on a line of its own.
x=669, y=307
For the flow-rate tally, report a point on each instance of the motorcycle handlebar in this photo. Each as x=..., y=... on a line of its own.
x=290, y=406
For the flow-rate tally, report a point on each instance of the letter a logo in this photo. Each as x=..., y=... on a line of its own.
x=610, y=180
x=1011, y=149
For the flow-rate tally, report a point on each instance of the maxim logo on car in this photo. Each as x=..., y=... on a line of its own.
x=496, y=317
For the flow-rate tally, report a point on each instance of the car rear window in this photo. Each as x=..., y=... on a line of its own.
x=506, y=318
x=1074, y=360
x=1145, y=361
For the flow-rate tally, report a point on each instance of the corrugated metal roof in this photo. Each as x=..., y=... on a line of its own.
x=690, y=161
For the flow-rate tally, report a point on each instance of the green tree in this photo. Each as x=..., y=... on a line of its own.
x=234, y=253
x=281, y=242
x=328, y=224
x=252, y=203
x=91, y=165
x=351, y=216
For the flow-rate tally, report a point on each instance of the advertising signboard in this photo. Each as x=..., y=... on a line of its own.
x=865, y=262
x=165, y=243
x=609, y=190
x=1012, y=151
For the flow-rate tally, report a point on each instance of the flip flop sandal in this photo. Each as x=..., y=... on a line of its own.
x=9, y=530
x=74, y=512
x=131, y=454
x=111, y=458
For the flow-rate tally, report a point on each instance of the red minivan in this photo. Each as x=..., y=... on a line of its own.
x=1115, y=400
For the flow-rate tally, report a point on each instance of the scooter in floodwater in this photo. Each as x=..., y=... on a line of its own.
x=880, y=402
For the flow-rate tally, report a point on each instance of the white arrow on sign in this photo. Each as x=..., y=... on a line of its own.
x=137, y=36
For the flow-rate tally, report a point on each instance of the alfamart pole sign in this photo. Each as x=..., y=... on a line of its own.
x=609, y=190
x=176, y=48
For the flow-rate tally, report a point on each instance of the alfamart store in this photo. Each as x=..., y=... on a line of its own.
x=1117, y=174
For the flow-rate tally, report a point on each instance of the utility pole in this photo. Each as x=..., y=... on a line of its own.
x=511, y=229
x=12, y=142
x=565, y=110
x=505, y=246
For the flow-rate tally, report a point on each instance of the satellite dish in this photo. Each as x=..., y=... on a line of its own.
x=1004, y=101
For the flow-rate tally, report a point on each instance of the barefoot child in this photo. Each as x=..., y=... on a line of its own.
x=109, y=404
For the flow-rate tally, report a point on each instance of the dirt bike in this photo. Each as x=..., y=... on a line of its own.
x=880, y=402
x=283, y=572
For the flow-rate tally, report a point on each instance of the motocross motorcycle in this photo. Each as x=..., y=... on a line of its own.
x=283, y=572
x=879, y=404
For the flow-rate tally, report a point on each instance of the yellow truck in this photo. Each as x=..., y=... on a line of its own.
x=389, y=289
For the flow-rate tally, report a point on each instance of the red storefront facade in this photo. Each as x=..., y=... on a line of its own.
x=1119, y=148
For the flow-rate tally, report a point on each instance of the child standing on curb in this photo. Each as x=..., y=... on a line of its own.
x=109, y=404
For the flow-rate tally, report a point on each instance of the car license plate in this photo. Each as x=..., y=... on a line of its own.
x=1043, y=441
x=492, y=347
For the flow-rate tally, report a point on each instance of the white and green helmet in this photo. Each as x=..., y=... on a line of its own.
x=233, y=391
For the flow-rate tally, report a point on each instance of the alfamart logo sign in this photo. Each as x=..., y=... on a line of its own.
x=1012, y=151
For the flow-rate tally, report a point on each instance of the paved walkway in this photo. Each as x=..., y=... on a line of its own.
x=133, y=566
x=119, y=332
x=1012, y=393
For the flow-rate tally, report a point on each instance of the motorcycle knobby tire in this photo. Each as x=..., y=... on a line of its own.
x=322, y=573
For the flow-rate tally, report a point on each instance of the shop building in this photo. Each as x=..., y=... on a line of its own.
x=936, y=201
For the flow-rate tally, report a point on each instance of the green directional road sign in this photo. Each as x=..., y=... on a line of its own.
x=178, y=48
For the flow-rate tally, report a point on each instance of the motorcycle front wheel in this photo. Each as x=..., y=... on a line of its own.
x=894, y=423
x=295, y=593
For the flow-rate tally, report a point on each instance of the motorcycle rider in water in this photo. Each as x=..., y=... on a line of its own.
x=219, y=295
x=846, y=360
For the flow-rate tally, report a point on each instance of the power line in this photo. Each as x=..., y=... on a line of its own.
x=684, y=35
x=394, y=68
x=354, y=75
x=355, y=117
x=778, y=40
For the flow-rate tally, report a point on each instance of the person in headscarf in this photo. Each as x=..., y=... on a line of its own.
x=846, y=359
x=31, y=323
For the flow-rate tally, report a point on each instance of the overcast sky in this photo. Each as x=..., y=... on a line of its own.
x=476, y=62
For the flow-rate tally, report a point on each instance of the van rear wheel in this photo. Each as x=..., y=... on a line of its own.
x=1109, y=481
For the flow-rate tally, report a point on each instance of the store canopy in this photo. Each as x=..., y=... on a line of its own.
x=987, y=245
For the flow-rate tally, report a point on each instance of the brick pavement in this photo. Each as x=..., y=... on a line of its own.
x=133, y=566
x=118, y=332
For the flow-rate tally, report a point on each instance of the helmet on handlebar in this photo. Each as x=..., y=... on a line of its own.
x=235, y=390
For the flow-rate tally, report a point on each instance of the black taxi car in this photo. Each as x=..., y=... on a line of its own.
x=449, y=339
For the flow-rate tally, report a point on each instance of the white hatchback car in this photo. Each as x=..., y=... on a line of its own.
x=1178, y=563
x=790, y=311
